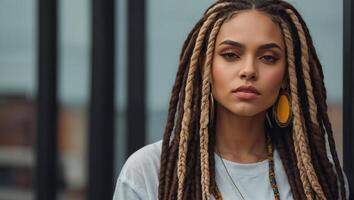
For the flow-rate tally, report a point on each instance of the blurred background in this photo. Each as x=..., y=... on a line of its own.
x=167, y=24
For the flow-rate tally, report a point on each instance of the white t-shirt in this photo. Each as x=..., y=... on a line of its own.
x=139, y=177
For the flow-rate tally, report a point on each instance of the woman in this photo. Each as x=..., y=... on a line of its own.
x=247, y=116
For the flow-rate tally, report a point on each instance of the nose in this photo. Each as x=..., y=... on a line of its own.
x=248, y=72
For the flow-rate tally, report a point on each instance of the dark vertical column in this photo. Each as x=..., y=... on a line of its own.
x=348, y=93
x=46, y=147
x=102, y=102
x=136, y=75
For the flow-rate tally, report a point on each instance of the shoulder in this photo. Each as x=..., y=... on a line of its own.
x=141, y=170
x=146, y=158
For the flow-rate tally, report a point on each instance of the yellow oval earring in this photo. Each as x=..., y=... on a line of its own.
x=282, y=109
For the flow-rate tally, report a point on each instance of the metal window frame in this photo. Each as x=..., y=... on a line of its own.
x=47, y=108
x=136, y=108
x=348, y=92
x=102, y=109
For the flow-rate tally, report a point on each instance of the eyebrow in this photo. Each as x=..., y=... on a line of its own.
x=262, y=47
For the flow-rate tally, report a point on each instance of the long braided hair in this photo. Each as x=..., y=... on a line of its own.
x=189, y=137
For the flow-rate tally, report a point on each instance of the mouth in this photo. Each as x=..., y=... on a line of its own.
x=246, y=89
x=246, y=92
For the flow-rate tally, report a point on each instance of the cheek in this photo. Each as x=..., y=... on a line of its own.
x=221, y=76
x=218, y=76
x=273, y=81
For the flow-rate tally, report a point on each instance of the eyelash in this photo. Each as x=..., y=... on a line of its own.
x=230, y=56
x=274, y=59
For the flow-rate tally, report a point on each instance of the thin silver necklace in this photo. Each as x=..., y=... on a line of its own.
x=271, y=171
x=228, y=174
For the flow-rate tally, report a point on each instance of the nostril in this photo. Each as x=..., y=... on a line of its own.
x=250, y=76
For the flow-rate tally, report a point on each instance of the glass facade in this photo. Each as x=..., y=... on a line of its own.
x=74, y=42
x=17, y=97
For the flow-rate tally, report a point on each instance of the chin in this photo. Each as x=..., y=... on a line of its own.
x=244, y=109
x=247, y=113
x=247, y=110
x=242, y=112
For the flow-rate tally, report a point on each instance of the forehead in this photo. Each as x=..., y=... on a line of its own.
x=250, y=28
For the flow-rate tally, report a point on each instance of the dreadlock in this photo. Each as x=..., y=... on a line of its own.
x=189, y=137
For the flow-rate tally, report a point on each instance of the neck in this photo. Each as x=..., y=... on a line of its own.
x=240, y=138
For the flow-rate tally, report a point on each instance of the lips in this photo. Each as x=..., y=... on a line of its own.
x=246, y=93
x=246, y=89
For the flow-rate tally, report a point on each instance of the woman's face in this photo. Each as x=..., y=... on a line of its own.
x=248, y=64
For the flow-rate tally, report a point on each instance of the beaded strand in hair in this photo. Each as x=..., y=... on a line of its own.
x=279, y=136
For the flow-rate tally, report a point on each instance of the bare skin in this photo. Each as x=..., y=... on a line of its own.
x=249, y=51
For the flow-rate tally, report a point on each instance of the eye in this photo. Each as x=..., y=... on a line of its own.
x=230, y=56
x=269, y=58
